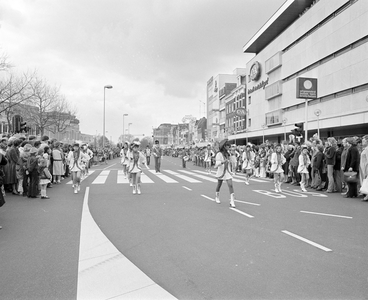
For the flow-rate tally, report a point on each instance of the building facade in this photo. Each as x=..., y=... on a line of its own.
x=217, y=88
x=325, y=40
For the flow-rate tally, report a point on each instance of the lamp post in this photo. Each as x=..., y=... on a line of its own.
x=103, y=134
x=124, y=115
x=317, y=112
x=284, y=122
x=263, y=128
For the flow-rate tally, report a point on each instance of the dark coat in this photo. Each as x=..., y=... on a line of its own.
x=330, y=156
x=352, y=159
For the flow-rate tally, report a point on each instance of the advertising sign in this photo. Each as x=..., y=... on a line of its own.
x=241, y=112
x=306, y=88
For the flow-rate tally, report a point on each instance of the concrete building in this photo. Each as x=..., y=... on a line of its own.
x=326, y=40
x=217, y=87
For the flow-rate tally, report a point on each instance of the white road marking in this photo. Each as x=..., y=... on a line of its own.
x=109, y=166
x=241, y=212
x=184, y=177
x=208, y=198
x=165, y=178
x=101, y=178
x=187, y=188
x=100, y=261
x=306, y=241
x=296, y=193
x=323, y=214
x=250, y=203
x=313, y=194
x=146, y=179
x=212, y=175
x=270, y=194
x=199, y=176
x=121, y=177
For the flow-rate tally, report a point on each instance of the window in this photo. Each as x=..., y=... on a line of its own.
x=249, y=100
x=249, y=122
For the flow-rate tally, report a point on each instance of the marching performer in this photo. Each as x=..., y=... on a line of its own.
x=224, y=171
x=77, y=160
x=248, y=163
x=208, y=153
x=137, y=159
x=124, y=154
x=277, y=161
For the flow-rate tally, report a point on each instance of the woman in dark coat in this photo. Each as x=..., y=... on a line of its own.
x=32, y=169
x=12, y=155
x=352, y=165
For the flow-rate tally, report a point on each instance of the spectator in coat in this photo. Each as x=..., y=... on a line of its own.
x=352, y=165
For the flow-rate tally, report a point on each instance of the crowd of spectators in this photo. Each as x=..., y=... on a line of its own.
x=26, y=162
x=328, y=163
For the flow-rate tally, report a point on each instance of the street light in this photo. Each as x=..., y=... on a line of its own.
x=124, y=115
x=103, y=134
x=263, y=127
x=318, y=112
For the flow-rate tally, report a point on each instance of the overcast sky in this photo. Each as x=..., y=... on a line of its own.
x=157, y=54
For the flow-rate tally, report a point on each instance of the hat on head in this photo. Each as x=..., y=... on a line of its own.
x=223, y=143
x=76, y=144
x=33, y=150
x=304, y=147
x=27, y=147
x=136, y=143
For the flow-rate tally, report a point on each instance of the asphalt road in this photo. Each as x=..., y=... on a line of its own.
x=290, y=246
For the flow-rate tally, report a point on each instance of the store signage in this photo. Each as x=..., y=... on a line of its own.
x=260, y=85
x=255, y=71
x=240, y=112
x=306, y=88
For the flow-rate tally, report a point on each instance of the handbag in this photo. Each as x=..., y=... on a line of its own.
x=351, y=177
x=364, y=187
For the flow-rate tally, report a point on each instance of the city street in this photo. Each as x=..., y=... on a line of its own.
x=292, y=245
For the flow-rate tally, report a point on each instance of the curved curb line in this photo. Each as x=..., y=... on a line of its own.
x=104, y=272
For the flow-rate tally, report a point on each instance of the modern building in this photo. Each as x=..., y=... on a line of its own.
x=217, y=88
x=326, y=40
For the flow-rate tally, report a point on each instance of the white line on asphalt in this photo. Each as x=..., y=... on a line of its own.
x=208, y=197
x=89, y=173
x=163, y=177
x=313, y=194
x=187, y=188
x=241, y=212
x=184, y=177
x=109, y=167
x=101, y=178
x=306, y=241
x=200, y=176
x=323, y=214
x=256, y=204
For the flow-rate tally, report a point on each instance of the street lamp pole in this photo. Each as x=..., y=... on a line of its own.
x=124, y=115
x=103, y=134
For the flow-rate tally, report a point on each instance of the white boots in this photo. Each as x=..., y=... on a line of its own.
x=302, y=186
x=278, y=187
x=232, y=203
x=136, y=189
x=232, y=199
x=217, y=198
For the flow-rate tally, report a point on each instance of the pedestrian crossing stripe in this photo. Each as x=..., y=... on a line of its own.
x=189, y=179
x=165, y=178
x=192, y=176
x=199, y=176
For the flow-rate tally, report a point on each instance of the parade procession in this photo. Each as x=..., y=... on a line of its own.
x=167, y=149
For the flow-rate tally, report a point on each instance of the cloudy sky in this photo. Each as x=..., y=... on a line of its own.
x=157, y=54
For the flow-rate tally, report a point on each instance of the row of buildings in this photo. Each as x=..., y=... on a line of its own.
x=322, y=41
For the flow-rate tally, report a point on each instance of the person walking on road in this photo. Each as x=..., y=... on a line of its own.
x=157, y=153
x=248, y=163
x=363, y=166
x=124, y=154
x=224, y=171
x=77, y=160
x=148, y=155
x=277, y=161
x=137, y=159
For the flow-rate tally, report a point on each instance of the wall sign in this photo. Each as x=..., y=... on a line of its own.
x=240, y=112
x=255, y=71
x=306, y=88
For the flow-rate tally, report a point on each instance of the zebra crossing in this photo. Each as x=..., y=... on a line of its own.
x=167, y=176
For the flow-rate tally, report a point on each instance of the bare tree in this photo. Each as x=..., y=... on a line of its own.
x=4, y=62
x=14, y=91
x=44, y=101
x=62, y=115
